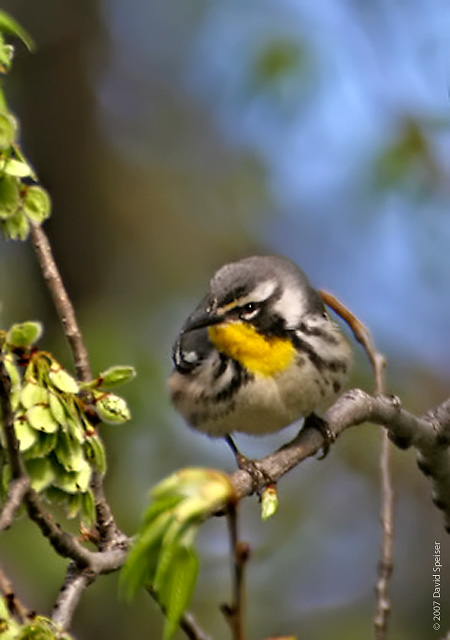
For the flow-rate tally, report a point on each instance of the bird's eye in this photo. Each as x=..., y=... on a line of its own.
x=248, y=311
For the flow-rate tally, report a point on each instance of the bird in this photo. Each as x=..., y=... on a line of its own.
x=258, y=353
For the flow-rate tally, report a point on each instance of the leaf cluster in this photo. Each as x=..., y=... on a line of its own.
x=38, y=628
x=163, y=557
x=56, y=421
x=22, y=201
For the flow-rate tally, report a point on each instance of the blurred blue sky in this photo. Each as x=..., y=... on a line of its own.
x=354, y=73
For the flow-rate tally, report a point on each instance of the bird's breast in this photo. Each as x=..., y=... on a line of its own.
x=259, y=354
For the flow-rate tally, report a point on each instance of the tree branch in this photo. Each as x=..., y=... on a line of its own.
x=16, y=492
x=14, y=604
x=106, y=526
x=351, y=409
x=77, y=580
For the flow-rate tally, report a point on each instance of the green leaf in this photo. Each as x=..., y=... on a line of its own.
x=24, y=334
x=8, y=130
x=116, y=375
x=36, y=204
x=140, y=566
x=112, y=408
x=9, y=196
x=25, y=434
x=63, y=380
x=9, y=26
x=178, y=588
x=41, y=473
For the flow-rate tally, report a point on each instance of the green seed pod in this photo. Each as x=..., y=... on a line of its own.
x=69, y=453
x=112, y=408
x=24, y=334
x=95, y=453
x=116, y=375
x=41, y=473
x=36, y=204
x=25, y=434
x=8, y=130
x=9, y=196
x=72, y=481
x=62, y=380
x=16, y=227
x=87, y=509
x=33, y=394
x=41, y=418
x=44, y=445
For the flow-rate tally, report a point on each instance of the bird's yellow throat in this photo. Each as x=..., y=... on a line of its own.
x=264, y=355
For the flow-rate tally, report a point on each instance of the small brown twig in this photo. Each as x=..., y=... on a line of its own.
x=61, y=301
x=386, y=563
x=15, y=606
x=188, y=623
x=235, y=613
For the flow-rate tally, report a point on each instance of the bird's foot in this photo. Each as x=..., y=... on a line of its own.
x=260, y=478
x=321, y=425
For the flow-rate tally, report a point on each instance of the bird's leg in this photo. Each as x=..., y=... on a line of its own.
x=321, y=425
x=259, y=477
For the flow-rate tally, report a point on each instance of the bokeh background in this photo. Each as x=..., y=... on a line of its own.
x=176, y=136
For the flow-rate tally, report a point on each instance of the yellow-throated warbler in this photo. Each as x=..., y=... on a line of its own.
x=259, y=352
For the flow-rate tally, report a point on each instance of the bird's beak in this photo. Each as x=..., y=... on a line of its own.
x=203, y=319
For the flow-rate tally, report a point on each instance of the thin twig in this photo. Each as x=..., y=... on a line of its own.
x=62, y=302
x=386, y=564
x=14, y=604
x=77, y=580
x=188, y=623
x=235, y=613
x=191, y=628
x=16, y=492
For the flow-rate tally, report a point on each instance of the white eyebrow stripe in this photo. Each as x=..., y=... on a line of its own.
x=291, y=305
x=262, y=291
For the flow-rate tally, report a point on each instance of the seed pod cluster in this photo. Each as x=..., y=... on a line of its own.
x=56, y=420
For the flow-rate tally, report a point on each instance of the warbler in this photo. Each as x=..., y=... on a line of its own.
x=258, y=353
